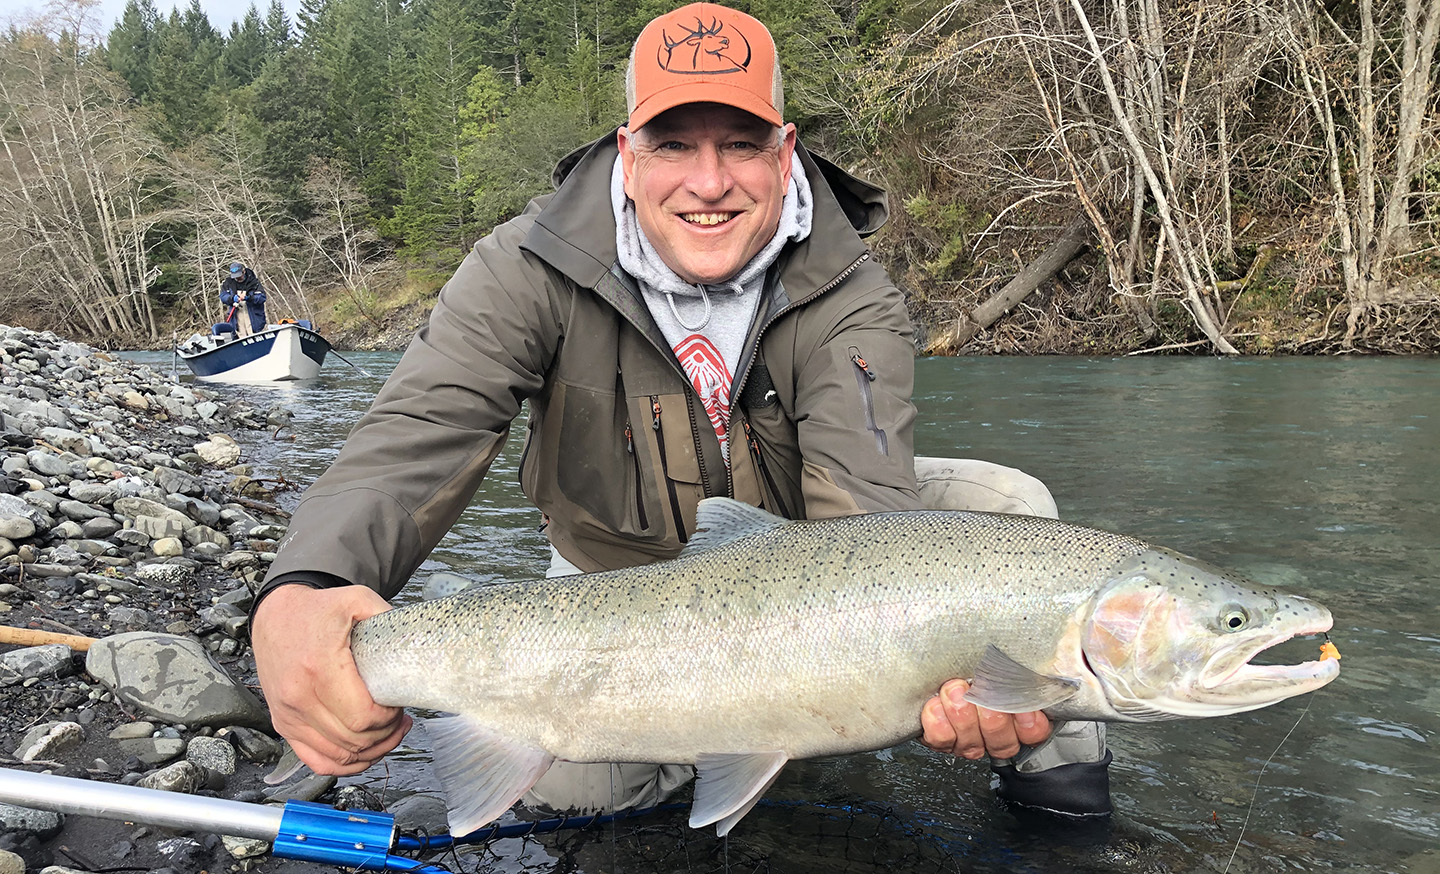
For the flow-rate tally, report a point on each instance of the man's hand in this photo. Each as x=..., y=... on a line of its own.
x=954, y=725
x=318, y=702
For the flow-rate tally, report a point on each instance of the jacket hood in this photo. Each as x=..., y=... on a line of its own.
x=575, y=230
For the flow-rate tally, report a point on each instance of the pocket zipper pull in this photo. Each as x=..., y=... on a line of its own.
x=860, y=363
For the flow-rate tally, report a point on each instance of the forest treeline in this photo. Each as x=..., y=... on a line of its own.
x=1065, y=175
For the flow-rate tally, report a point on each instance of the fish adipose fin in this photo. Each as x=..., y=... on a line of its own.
x=721, y=520
x=1003, y=684
x=727, y=785
x=483, y=772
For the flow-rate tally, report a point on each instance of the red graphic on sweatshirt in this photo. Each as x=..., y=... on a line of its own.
x=707, y=371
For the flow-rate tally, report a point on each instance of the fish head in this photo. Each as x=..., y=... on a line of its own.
x=1170, y=637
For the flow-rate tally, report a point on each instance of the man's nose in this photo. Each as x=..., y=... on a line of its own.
x=709, y=178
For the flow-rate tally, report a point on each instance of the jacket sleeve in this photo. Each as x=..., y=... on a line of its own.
x=854, y=418
x=227, y=296
x=413, y=462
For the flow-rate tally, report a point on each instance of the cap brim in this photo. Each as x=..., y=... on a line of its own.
x=702, y=92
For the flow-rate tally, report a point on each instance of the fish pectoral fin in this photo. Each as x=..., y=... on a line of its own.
x=1003, y=684
x=483, y=772
x=721, y=520
x=727, y=785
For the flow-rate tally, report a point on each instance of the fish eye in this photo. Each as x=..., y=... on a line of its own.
x=1234, y=619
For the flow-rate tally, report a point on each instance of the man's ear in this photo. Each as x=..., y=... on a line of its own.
x=788, y=138
x=625, y=141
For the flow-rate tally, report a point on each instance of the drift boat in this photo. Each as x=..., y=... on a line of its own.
x=285, y=351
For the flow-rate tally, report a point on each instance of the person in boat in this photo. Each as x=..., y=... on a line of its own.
x=692, y=312
x=245, y=296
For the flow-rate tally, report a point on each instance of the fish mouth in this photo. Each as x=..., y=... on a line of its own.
x=1235, y=678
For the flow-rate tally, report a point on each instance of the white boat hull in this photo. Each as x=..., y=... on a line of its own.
x=279, y=353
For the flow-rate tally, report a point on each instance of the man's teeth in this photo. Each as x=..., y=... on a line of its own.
x=706, y=218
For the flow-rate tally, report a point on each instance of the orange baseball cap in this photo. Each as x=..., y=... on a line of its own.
x=704, y=53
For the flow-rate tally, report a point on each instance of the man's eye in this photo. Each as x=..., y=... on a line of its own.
x=743, y=146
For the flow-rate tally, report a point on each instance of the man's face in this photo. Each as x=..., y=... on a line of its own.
x=707, y=181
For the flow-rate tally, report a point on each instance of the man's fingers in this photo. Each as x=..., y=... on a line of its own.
x=1032, y=728
x=963, y=718
x=998, y=731
x=325, y=756
x=936, y=732
x=950, y=724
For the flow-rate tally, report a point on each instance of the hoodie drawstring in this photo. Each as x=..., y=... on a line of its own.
x=704, y=320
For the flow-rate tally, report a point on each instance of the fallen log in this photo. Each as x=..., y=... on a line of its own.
x=1067, y=246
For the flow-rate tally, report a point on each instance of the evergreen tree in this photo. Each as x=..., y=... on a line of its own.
x=290, y=108
x=432, y=215
x=245, y=51
x=130, y=45
x=351, y=41
x=276, y=30
x=182, y=74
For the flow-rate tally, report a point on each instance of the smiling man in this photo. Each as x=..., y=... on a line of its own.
x=692, y=313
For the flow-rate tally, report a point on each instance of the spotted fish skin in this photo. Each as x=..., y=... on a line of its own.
x=792, y=640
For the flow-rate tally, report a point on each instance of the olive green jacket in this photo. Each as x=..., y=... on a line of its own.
x=618, y=448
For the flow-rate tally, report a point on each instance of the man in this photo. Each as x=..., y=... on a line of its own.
x=692, y=313
x=242, y=291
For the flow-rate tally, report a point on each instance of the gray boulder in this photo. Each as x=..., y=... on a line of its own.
x=50, y=660
x=99, y=527
x=48, y=463
x=173, y=679
x=131, y=507
x=62, y=737
x=70, y=441
x=16, y=527
x=156, y=528
x=45, y=823
x=81, y=511
x=212, y=753
x=179, y=777
x=89, y=492
x=152, y=750
x=163, y=574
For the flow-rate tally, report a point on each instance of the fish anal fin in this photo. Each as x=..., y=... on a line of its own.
x=483, y=772
x=729, y=784
x=1005, y=685
x=718, y=521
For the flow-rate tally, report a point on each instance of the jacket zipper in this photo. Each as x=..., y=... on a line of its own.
x=639, y=482
x=739, y=386
x=863, y=377
x=754, y=443
x=665, y=469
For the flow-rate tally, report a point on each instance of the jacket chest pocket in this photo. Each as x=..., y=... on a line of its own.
x=666, y=479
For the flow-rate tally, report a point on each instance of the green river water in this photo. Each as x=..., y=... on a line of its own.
x=1318, y=475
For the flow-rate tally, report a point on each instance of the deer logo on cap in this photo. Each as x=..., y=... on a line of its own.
x=709, y=50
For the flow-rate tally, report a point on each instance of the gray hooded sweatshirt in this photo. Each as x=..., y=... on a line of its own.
x=706, y=325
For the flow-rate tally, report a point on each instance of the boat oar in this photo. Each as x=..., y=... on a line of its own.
x=349, y=362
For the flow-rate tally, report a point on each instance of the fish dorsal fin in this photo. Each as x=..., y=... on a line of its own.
x=1003, y=684
x=727, y=785
x=718, y=521
x=483, y=771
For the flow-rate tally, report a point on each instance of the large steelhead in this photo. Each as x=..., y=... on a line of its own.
x=768, y=640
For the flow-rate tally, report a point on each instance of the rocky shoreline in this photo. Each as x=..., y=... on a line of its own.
x=127, y=517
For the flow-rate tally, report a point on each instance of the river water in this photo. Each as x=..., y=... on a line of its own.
x=1318, y=475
